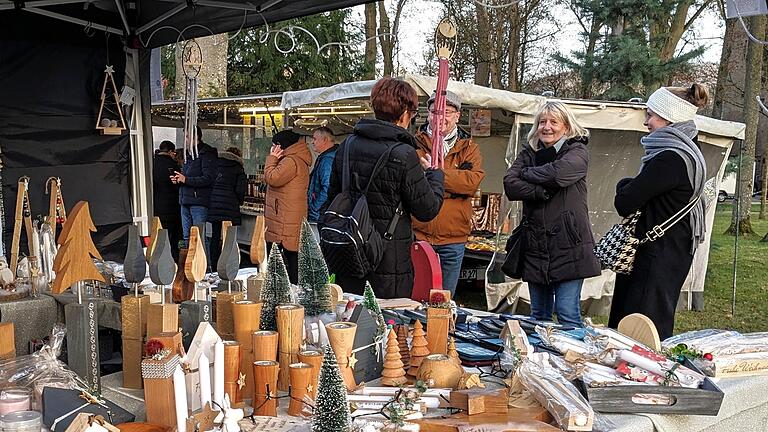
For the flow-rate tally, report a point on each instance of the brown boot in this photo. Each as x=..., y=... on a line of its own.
x=182, y=287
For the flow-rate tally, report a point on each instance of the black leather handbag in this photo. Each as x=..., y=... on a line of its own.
x=513, y=263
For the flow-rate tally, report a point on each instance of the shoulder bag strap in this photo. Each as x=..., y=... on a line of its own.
x=660, y=229
x=345, y=168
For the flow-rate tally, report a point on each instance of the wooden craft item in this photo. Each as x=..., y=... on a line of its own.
x=393, y=374
x=369, y=365
x=73, y=261
x=22, y=218
x=439, y=370
x=336, y=294
x=196, y=263
x=265, y=378
x=487, y=422
x=574, y=412
x=438, y=324
x=229, y=260
x=85, y=421
x=192, y=314
x=83, y=339
x=7, y=341
x=314, y=359
x=133, y=350
x=513, y=330
x=258, y=250
x=225, y=322
x=247, y=315
x=419, y=349
x=135, y=263
x=57, y=212
x=154, y=230
x=640, y=328
x=161, y=266
x=468, y=381
x=301, y=385
x=253, y=285
x=341, y=336
x=290, y=330
x=224, y=227
x=203, y=420
x=452, y=353
x=171, y=341
x=110, y=128
x=427, y=274
x=160, y=391
x=478, y=401
x=143, y=427
x=264, y=345
x=402, y=342
x=162, y=318
x=232, y=370
x=182, y=287
x=133, y=311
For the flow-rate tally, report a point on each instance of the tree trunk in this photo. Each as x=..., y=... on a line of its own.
x=741, y=222
x=724, y=71
x=764, y=188
x=513, y=51
x=386, y=40
x=483, y=68
x=212, y=80
x=585, y=90
x=370, y=41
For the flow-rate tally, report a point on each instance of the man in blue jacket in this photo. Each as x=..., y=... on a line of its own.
x=196, y=180
x=325, y=147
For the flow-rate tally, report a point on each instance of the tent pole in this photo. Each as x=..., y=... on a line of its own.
x=70, y=19
x=119, y=6
x=738, y=228
x=41, y=3
x=140, y=163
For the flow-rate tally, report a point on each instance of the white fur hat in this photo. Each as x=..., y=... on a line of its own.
x=670, y=107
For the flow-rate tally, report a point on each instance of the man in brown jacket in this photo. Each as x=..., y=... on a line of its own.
x=448, y=232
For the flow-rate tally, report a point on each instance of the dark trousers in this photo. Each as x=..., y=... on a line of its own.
x=173, y=225
x=291, y=260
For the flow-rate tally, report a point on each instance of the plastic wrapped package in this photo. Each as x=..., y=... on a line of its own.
x=701, y=338
x=592, y=374
x=610, y=338
x=561, y=341
x=41, y=369
x=555, y=393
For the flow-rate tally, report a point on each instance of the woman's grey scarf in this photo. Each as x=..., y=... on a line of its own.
x=678, y=137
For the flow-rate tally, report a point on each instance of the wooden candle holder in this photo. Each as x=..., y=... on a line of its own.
x=134, y=310
x=162, y=318
x=265, y=374
x=314, y=359
x=301, y=385
x=232, y=370
x=225, y=321
x=439, y=370
x=158, y=388
x=264, y=345
x=290, y=329
x=438, y=324
x=247, y=315
x=341, y=336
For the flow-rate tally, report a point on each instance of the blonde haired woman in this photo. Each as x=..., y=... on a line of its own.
x=550, y=177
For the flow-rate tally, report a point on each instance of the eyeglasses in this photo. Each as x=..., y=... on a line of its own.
x=447, y=112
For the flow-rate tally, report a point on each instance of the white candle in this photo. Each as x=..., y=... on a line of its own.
x=180, y=393
x=204, y=366
x=218, y=372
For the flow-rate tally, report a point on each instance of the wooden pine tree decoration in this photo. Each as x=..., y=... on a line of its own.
x=73, y=262
x=402, y=340
x=452, y=353
x=393, y=374
x=419, y=348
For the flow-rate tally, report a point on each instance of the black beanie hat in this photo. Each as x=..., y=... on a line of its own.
x=286, y=138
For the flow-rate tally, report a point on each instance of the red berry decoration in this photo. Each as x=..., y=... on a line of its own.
x=437, y=298
x=708, y=357
x=152, y=347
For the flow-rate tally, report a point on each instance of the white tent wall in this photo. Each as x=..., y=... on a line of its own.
x=615, y=152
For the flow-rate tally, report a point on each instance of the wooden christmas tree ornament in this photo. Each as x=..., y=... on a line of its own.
x=341, y=336
x=264, y=345
x=247, y=315
x=452, y=353
x=301, y=385
x=232, y=370
x=402, y=340
x=265, y=392
x=290, y=329
x=105, y=124
x=314, y=359
x=393, y=374
x=419, y=349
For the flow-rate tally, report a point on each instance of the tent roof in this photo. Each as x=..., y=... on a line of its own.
x=592, y=114
x=158, y=22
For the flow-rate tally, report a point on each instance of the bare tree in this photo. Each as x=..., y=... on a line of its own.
x=370, y=40
x=388, y=29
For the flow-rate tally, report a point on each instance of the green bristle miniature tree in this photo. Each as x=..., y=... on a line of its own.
x=313, y=274
x=331, y=412
x=277, y=289
x=372, y=305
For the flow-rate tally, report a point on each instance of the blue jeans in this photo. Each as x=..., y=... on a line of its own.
x=564, y=297
x=451, y=256
x=193, y=216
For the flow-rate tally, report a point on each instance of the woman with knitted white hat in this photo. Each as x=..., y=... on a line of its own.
x=670, y=181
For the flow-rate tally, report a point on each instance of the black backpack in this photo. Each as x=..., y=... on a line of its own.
x=349, y=241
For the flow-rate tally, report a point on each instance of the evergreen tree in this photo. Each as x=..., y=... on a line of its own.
x=370, y=303
x=313, y=274
x=277, y=289
x=331, y=408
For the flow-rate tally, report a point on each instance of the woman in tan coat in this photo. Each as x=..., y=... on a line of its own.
x=287, y=176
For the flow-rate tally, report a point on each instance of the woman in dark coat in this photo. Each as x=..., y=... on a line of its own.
x=227, y=195
x=550, y=177
x=165, y=194
x=672, y=174
x=403, y=178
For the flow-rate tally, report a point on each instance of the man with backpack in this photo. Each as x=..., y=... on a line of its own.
x=378, y=183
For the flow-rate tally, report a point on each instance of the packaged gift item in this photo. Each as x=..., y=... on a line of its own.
x=61, y=406
x=725, y=353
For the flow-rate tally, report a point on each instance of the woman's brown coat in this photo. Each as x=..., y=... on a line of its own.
x=287, y=180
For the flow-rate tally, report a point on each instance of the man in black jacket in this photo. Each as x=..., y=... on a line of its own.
x=165, y=193
x=196, y=181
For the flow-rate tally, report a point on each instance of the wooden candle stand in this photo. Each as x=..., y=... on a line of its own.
x=438, y=324
x=264, y=345
x=290, y=329
x=159, y=389
x=341, y=336
x=265, y=391
x=314, y=359
x=225, y=322
x=232, y=370
x=439, y=370
x=301, y=385
x=134, y=309
x=247, y=315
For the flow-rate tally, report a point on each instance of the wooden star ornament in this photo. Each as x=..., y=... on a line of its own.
x=352, y=361
x=205, y=418
x=241, y=381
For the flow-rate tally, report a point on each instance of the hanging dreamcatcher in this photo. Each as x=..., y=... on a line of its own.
x=192, y=63
x=110, y=120
x=445, y=45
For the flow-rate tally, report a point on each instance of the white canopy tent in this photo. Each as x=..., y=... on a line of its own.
x=615, y=128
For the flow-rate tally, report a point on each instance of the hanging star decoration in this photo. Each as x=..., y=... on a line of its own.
x=241, y=381
x=110, y=69
x=352, y=361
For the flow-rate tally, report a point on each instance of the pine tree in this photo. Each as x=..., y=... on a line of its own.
x=277, y=289
x=331, y=408
x=313, y=274
x=370, y=303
